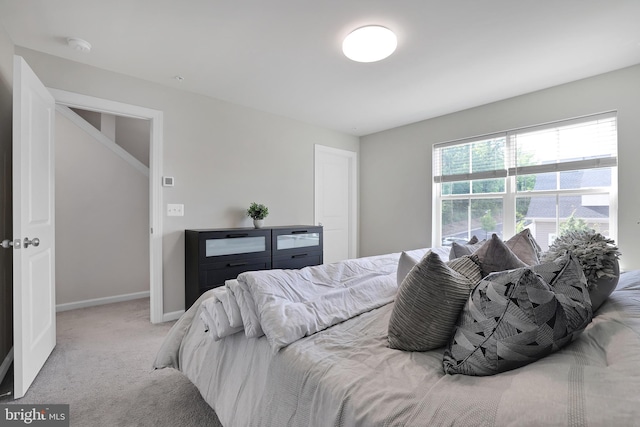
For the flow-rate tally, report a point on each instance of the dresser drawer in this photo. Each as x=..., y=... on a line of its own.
x=217, y=246
x=216, y=273
x=287, y=241
x=300, y=260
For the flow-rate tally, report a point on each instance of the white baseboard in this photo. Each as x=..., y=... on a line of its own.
x=101, y=301
x=6, y=363
x=175, y=315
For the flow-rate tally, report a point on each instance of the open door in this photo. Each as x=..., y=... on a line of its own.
x=34, y=320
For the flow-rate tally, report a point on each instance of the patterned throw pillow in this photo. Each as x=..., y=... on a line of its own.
x=429, y=301
x=515, y=317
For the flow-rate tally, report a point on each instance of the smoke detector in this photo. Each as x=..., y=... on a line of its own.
x=79, y=44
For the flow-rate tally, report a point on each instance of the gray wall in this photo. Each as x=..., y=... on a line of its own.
x=395, y=165
x=131, y=134
x=6, y=219
x=102, y=218
x=222, y=156
x=92, y=117
x=134, y=135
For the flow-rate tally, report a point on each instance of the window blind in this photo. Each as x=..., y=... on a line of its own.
x=583, y=143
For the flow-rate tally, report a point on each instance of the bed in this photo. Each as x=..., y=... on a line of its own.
x=334, y=371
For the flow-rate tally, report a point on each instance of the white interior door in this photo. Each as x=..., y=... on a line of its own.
x=336, y=190
x=33, y=226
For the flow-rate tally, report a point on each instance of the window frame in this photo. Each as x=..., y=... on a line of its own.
x=511, y=172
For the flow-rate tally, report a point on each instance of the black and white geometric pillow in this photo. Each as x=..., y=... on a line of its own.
x=515, y=317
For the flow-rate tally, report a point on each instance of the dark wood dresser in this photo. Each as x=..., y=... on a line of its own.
x=215, y=255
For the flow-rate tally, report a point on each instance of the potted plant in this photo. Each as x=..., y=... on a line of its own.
x=258, y=212
x=598, y=257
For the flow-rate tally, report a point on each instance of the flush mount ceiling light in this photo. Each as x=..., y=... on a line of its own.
x=369, y=44
x=79, y=44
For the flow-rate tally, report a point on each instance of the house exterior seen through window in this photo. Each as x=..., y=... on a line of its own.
x=547, y=178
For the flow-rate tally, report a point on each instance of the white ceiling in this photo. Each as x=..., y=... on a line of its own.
x=284, y=56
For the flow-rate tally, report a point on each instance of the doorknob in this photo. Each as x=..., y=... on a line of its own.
x=10, y=243
x=35, y=242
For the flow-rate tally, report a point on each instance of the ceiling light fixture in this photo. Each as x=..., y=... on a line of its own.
x=79, y=44
x=369, y=44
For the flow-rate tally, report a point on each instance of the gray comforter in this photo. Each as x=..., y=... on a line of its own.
x=347, y=376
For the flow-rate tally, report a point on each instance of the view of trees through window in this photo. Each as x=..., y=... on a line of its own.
x=479, y=216
x=549, y=180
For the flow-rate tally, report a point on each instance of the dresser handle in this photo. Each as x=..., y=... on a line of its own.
x=298, y=231
x=231, y=236
x=237, y=264
x=299, y=256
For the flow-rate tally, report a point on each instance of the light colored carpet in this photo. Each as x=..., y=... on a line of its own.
x=102, y=367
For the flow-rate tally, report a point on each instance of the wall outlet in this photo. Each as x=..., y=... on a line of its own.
x=175, y=210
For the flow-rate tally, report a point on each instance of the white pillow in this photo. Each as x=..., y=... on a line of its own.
x=405, y=264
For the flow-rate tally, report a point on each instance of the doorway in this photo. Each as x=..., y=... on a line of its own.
x=155, y=118
x=34, y=105
x=102, y=208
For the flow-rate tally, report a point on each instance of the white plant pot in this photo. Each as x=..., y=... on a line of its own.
x=258, y=223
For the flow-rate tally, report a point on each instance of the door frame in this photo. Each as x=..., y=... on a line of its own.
x=76, y=100
x=352, y=158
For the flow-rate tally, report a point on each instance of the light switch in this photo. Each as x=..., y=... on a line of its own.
x=175, y=209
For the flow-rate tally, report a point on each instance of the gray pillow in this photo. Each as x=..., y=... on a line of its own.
x=429, y=301
x=515, y=317
x=495, y=255
x=603, y=287
x=408, y=259
x=525, y=247
x=458, y=250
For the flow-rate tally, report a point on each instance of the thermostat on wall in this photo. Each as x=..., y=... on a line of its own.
x=167, y=181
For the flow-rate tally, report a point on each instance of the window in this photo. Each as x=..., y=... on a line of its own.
x=547, y=178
